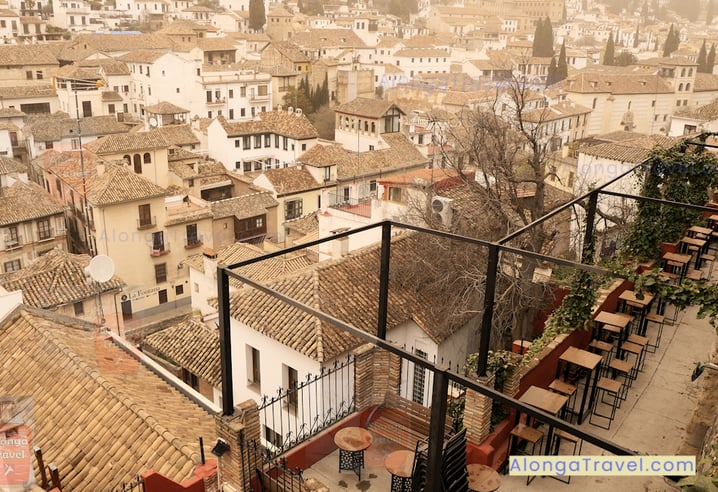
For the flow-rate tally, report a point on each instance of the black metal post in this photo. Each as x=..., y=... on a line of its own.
x=587, y=253
x=436, y=430
x=225, y=340
x=201, y=449
x=489, y=291
x=384, y=280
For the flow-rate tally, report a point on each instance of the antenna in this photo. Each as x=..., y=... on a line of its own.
x=101, y=268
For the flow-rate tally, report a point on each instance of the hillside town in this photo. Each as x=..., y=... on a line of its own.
x=201, y=202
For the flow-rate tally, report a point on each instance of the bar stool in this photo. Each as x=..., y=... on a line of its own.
x=623, y=369
x=643, y=342
x=660, y=321
x=530, y=435
x=613, y=388
x=630, y=348
x=566, y=389
x=604, y=349
x=561, y=435
x=705, y=257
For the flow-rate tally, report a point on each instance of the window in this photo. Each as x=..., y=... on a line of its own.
x=257, y=165
x=242, y=92
x=395, y=194
x=38, y=75
x=147, y=158
x=247, y=166
x=11, y=266
x=43, y=229
x=158, y=241
x=285, y=142
x=292, y=209
x=594, y=103
x=292, y=379
x=259, y=222
x=192, y=237
x=28, y=74
x=327, y=173
x=417, y=393
x=145, y=219
x=267, y=140
x=254, y=375
x=79, y=308
x=345, y=193
x=137, y=163
x=160, y=273
x=276, y=141
x=231, y=93
x=304, y=147
x=262, y=90
x=372, y=186
x=236, y=143
x=246, y=142
x=162, y=296
x=272, y=438
x=242, y=112
x=179, y=290
x=257, y=141
x=189, y=378
x=111, y=108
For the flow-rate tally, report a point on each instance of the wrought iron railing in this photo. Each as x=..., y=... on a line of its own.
x=264, y=472
x=294, y=415
x=134, y=485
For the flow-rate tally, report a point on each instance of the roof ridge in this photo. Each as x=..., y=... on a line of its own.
x=111, y=388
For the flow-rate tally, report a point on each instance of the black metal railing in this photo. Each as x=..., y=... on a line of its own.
x=262, y=471
x=295, y=414
x=134, y=485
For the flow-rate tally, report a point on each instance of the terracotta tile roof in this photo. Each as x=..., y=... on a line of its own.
x=142, y=56
x=324, y=155
x=10, y=113
x=327, y=287
x=290, y=180
x=705, y=82
x=111, y=43
x=291, y=51
x=13, y=55
x=179, y=135
x=183, y=214
x=419, y=52
x=120, y=184
x=216, y=44
x=563, y=109
x=10, y=166
x=363, y=106
x=175, y=154
x=108, y=420
x=616, y=83
x=26, y=201
x=284, y=123
x=261, y=271
x=165, y=107
x=68, y=167
x=279, y=12
x=23, y=91
x=78, y=72
x=109, y=96
x=707, y=112
x=52, y=129
x=108, y=66
x=304, y=225
x=244, y=206
x=191, y=345
x=632, y=151
x=183, y=26
x=55, y=279
x=128, y=142
x=327, y=38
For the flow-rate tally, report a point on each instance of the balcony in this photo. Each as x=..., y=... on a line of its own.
x=160, y=249
x=192, y=244
x=146, y=223
x=216, y=102
x=13, y=243
x=256, y=98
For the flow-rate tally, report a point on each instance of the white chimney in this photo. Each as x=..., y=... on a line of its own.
x=209, y=258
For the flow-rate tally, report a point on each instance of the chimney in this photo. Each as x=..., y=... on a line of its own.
x=209, y=258
x=100, y=168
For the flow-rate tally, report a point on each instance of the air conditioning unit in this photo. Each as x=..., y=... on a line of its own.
x=441, y=210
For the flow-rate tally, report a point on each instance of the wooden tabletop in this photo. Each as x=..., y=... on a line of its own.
x=543, y=399
x=693, y=241
x=400, y=463
x=700, y=230
x=713, y=218
x=630, y=297
x=677, y=257
x=483, y=478
x=613, y=319
x=353, y=439
x=581, y=358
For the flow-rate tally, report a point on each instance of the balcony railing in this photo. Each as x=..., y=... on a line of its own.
x=257, y=97
x=214, y=102
x=193, y=243
x=13, y=243
x=159, y=249
x=147, y=222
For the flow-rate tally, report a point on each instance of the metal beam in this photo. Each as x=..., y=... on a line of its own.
x=225, y=340
x=587, y=254
x=436, y=430
x=384, y=280
x=492, y=268
x=660, y=201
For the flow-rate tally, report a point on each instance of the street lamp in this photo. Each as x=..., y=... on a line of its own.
x=700, y=367
x=74, y=85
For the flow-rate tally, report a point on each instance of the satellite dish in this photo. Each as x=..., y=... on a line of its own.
x=153, y=122
x=101, y=268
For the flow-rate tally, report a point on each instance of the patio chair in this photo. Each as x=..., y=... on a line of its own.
x=560, y=436
x=612, y=388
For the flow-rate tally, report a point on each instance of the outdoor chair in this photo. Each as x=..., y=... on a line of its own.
x=606, y=387
x=528, y=435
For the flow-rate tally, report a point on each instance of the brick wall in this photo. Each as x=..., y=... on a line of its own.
x=376, y=371
x=242, y=426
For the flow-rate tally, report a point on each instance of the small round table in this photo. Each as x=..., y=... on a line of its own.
x=483, y=478
x=400, y=464
x=352, y=441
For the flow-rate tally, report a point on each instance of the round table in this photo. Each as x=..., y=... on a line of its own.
x=400, y=464
x=483, y=478
x=352, y=441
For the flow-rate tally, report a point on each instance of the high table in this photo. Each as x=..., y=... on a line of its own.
x=545, y=400
x=628, y=298
x=483, y=478
x=585, y=360
x=618, y=321
x=698, y=243
x=677, y=260
x=352, y=441
x=400, y=464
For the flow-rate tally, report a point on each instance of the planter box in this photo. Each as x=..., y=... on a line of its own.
x=668, y=248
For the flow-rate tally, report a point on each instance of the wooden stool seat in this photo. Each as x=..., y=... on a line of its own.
x=708, y=257
x=637, y=339
x=562, y=434
x=667, y=276
x=694, y=274
x=527, y=433
x=621, y=366
x=631, y=347
x=600, y=345
x=562, y=387
x=656, y=318
x=608, y=384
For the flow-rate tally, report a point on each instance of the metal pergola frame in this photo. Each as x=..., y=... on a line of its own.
x=442, y=375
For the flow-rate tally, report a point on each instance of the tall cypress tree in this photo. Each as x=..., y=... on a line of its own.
x=538, y=38
x=548, y=42
x=610, y=54
x=702, y=58
x=257, y=17
x=711, y=59
x=562, y=66
x=672, y=42
x=551, y=78
x=636, y=36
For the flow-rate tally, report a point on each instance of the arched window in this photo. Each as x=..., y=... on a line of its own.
x=594, y=103
x=127, y=159
x=690, y=72
x=683, y=72
x=138, y=163
x=147, y=158
x=688, y=86
x=680, y=86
